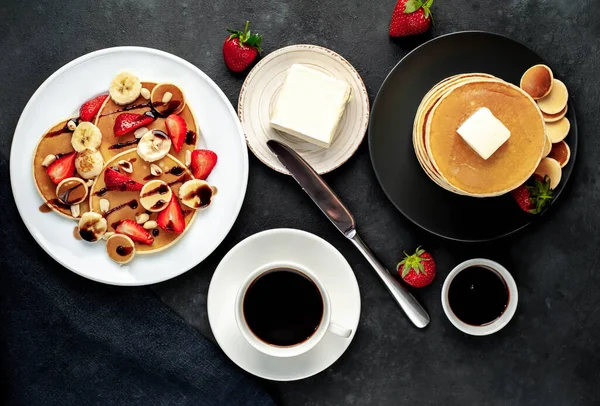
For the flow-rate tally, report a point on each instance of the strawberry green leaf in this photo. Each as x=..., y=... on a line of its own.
x=412, y=5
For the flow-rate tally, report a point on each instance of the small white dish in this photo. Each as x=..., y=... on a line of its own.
x=61, y=95
x=260, y=92
x=306, y=252
x=505, y=317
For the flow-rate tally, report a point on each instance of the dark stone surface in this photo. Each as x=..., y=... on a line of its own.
x=547, y=355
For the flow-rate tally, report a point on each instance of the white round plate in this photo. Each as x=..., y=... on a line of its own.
x=260, y=92
x=61, y=95
x=308, y=251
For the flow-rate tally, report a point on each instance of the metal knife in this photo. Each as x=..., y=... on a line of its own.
x=339, y=215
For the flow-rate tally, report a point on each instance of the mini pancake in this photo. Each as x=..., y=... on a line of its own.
x=55, y=141
x=556, y=100
x=112, y=145
x=558, y=130
x=120, y=248
x=537, y=81
x=551, y=168
x=512, y=164
x=551, y=118
x=126, y=205
x=176, y=103
x=561, y=153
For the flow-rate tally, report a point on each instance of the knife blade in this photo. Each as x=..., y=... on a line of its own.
x=333, y=208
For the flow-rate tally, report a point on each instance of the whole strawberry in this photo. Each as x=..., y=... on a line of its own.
x=534, y=195
x=411, y=17
x=418, y=269
x=241, y=48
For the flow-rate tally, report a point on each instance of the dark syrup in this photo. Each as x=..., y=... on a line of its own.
x=132, y=204
x=124, y=251
x=190, y=137
x=57, y=204
x=161, y=189
x=478, y=295
x=155, y=232
x=283, y=307
x=64, y=196
x=124, y=144
x=176, y=170
x=159, y=204
x=101, y=192
x=203, y=193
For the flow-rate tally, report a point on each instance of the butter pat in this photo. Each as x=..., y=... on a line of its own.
x=484, y=133
x=310, y=105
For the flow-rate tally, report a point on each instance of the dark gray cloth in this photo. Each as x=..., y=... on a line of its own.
x=69, y=341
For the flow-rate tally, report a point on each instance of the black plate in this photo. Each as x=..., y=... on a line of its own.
x=390, y=136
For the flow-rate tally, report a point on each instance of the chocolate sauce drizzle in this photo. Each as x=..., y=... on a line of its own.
x=64, y=196
x=124, y=144
x=124, y=251
x=132, y=203
x=190, y=138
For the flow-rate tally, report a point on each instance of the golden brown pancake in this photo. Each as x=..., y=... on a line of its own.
x=112, y=145
x=57, y=140
x=129, y=202
x=512, y=164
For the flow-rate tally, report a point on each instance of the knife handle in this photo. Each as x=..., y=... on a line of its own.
x=413, y=309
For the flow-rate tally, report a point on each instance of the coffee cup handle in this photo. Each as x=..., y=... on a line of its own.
x=339, y=331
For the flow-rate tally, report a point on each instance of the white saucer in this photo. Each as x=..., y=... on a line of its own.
x=293, y=246
x=261, y=90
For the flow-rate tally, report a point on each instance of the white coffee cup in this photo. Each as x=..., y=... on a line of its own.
x=325, y=326
x=505, y=317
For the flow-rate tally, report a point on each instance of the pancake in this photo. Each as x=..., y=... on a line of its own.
x=461, y=167
x=423, y=111
x=141, y=173
x=112, y=145
x=57, y=140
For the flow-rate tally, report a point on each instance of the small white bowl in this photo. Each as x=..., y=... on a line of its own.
x=500, y=322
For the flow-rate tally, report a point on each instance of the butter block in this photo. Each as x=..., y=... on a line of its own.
x=310, y=105
x=484, y=133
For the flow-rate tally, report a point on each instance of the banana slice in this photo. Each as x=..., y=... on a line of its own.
x=89, y=163
x=92, y=226
x=125, y=88
x=86, y=135
x=154, y=145
x=196, y=194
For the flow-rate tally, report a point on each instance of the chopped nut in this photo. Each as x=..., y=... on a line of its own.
x=145, y=93
x=71, y=125
x=107, y=235
x=125, y=165
x=188, y=158
x=151, y=224
x=142, y=218
x=155, y=170
x=167, y=97
x=75, y=210
x=48, y=160
x=104, y=205
x=139, y=133
x=89, y=183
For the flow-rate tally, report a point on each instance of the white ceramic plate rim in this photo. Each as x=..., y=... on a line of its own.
x=308, y=370
x=338, y=58
x=102, y=52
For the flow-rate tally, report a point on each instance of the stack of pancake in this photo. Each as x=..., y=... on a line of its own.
x=451, y=163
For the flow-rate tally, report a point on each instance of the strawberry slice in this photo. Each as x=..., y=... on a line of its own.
x=203, y=162
x=62, y=168
x=89, y=109
x=135, y=231
x=177, y=130
x=171, y=218
x=117, y=181
x=127, y=122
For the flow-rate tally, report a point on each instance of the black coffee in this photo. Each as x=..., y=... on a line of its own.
x=478, y=295
x=283, y=307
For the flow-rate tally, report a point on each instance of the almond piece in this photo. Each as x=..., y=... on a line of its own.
x=167, y=97
x=75, y=211
x=48, y=160
x=145, y=93
x=71, y=125
x=188, y=158
x=104, y=205
x=107, y=235
x=155, y=170
x=151, y=224
x=126, y=166
x=139, y=133
x=142, y=218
